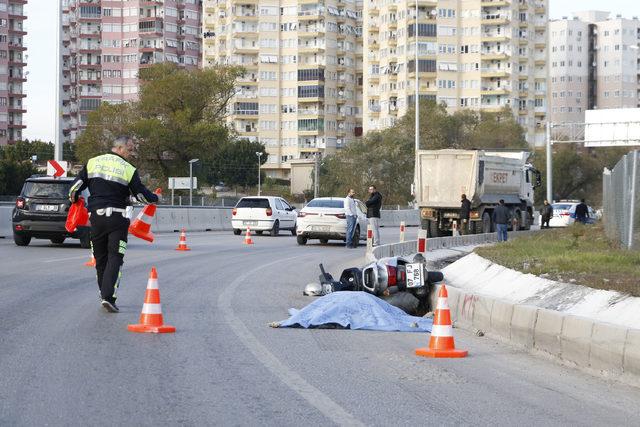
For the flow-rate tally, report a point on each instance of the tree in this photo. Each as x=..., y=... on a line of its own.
x=12, y=175
x=180, y=115
x=387, y=158
x=236, y=163
x=577, y=171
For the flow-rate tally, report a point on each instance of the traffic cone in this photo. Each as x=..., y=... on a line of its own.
x=151, y=320
x=182, y=245
x=441, y=342
x=247, y=237
x=141, y=226
x=91, y=262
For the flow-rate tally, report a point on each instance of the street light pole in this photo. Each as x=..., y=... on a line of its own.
x=549, y=165
x=191, y=162
x=417, y=88
x=259, y=154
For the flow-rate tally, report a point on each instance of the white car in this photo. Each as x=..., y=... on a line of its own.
x=564, y=214
x=263, y=213
x=324, y=218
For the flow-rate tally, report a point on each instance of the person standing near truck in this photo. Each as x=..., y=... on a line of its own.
x=501, y=218
x=465, y=211
x=374, y=203
x=352, y=217
x=546, y=213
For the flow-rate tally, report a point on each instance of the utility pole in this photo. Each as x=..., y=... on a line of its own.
x=57, y=140
x=316, y=172
x=549, y=165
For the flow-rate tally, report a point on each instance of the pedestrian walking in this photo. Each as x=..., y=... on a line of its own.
x=352, y=218
x=546, y=213
x=582, y=212
x=111, y=179
x=465, y=211
x=501, y=218
x=374, y=203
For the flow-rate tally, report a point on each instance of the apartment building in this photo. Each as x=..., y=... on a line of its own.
x=12, y=75
x=594, y=63
x=479, y=54
x=300, y=93
x=105, y=43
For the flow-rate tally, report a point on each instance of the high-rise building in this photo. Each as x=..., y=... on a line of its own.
x=479, y=54
x=300, y=93
x=12, y=76
x=105, y=43
x=593, y=63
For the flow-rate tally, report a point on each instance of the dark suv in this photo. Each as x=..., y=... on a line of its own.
x=41, y=212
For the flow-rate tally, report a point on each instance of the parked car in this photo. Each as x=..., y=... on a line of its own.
x=263, y=213
x=41, y=212
x=564, y=213
x=221, y=187
x=324, y=218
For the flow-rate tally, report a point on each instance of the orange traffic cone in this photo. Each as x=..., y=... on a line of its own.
x=151, y=317
x=91, y=262
x=247, y=237
x=182, y=245
x=441, y=342
x=141, y=227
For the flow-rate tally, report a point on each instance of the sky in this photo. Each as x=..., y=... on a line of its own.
x=41, y=44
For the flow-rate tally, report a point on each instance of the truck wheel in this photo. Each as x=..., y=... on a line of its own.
x=473, y=227
x=433, y=230
x=529, y=217
x=487, y=226
x=515, y=222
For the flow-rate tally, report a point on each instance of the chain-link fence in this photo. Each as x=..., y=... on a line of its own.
x=620, y=201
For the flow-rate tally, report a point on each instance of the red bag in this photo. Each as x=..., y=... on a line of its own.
x=78, y=216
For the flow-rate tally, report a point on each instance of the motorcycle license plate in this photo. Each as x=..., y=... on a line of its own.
x=415, y=274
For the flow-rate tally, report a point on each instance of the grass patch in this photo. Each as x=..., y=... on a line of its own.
x=577, y=254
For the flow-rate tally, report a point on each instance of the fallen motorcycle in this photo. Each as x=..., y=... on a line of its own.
x=395, y=279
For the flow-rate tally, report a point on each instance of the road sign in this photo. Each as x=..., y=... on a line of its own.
x=57, y=168
x=180, y=183
x=612, y=128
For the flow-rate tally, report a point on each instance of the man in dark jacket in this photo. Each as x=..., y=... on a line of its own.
x=374, y=203
x=465, y=210
x=501, y=217
x=582, y=212
x=546, y=213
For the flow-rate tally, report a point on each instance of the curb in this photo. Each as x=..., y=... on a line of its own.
x=597, y=347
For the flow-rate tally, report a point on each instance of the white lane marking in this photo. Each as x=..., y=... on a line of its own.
x=64, y=259
x=291, y=379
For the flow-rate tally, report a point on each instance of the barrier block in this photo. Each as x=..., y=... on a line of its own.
x=466, y=308
x=482, y=313
x=523, y=323
x=454, y=301
x=631, y=362
x=501, y=315
x=576, y=339
x=547, y=331
x=607, y=347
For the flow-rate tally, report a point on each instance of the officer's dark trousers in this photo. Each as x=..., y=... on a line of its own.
x=109, y=243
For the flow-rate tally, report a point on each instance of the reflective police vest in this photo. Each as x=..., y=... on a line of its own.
x=110, y=168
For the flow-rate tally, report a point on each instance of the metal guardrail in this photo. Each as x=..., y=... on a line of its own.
x=621, y=201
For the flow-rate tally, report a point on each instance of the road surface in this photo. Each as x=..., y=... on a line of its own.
x=64, y=361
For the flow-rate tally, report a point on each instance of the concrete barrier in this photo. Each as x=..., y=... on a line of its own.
x=173, y=218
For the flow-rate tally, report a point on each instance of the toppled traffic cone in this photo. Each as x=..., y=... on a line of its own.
x=78, y=215
x=151, y=320
x=182, y=244
x=91, y=262
x=247, y=237
x=441, y=342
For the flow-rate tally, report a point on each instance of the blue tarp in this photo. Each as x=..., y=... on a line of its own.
x=355, y=310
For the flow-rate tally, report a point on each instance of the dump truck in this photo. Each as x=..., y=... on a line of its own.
x=486, y=177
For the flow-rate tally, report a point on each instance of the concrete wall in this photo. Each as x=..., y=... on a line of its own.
x=172, y=218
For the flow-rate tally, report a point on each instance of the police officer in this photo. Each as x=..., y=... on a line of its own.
x=111, y=180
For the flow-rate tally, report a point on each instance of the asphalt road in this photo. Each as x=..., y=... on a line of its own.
x=64, y=361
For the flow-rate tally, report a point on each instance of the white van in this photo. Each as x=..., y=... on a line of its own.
x=263, y=213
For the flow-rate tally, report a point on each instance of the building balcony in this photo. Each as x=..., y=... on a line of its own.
x=494, y=91
x=494, y=37
x=494, y=3
x=495, y=19
x=246, y=95
x=493, y=72
x=489, y=56
x=308, y=100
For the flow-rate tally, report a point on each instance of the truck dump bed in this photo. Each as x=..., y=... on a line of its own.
x=485, y=177
x=443, y=175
